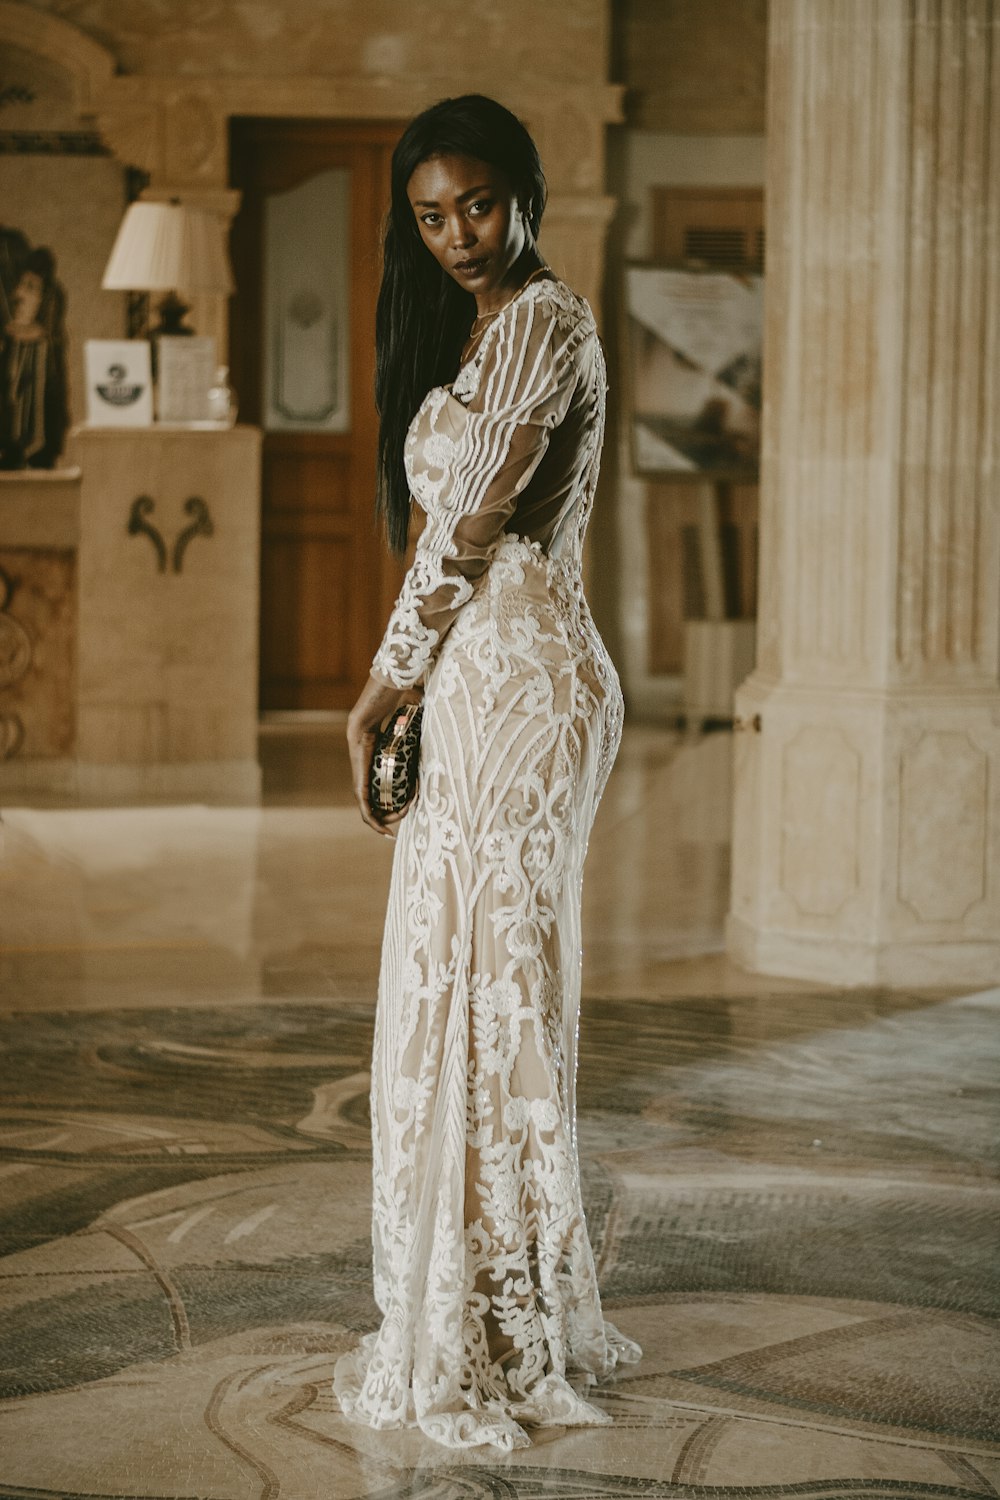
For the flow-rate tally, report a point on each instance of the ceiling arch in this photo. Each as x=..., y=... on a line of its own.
x=90, y=65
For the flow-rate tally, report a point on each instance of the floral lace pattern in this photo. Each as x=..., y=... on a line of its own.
x=473, y=452
x=484, y=1273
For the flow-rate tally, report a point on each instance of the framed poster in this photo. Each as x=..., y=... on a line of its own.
x=119, y=383
x=34, y=403
x=693, y=358
x=185, y=375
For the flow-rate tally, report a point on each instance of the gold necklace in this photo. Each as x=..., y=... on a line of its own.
x=475, y=337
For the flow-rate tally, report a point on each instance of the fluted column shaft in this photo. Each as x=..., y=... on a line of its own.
x=866, y=838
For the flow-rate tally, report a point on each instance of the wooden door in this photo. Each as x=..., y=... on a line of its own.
x=306, y=255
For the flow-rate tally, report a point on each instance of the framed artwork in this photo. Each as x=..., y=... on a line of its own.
x=119, y=383
x=185, y=375
x=693, y=360
x=34, y=406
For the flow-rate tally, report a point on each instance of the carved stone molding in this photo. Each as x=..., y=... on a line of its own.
x=176, y=130
x=15, y=651
x=15, y=642
x=175, y=127
x=36, y=607
x=944, y=820
x=91, y=66
x=52, y=143
x=867, y=836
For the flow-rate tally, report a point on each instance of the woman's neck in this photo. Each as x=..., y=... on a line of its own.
x=499, y=297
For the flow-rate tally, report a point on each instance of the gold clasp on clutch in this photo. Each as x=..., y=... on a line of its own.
x=402, y=719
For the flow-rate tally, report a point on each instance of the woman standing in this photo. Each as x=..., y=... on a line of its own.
x=490, y=386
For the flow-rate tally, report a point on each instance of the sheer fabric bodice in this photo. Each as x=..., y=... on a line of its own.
x=483, y=1269
x=511, y=448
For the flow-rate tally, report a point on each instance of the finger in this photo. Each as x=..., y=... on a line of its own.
x=391, y=819
x=377, y=827
x=365, y=808
x=368, y=815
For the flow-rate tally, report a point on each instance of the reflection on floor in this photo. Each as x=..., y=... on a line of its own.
x=788, y=1188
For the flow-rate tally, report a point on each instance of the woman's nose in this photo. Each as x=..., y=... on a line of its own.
x=462, y=234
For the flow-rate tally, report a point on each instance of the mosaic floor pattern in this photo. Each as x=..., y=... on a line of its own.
x=792, y=1192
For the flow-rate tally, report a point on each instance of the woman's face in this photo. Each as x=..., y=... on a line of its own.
x=28, y=297
x=469, y=220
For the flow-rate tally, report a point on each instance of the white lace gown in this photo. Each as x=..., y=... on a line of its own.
x=484, y=1274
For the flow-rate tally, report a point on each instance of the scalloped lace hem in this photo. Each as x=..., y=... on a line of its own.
x=554, y=1402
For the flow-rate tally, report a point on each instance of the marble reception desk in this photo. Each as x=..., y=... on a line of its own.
x=129, y=616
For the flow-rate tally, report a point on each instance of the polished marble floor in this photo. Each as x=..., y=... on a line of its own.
x=791, y=1190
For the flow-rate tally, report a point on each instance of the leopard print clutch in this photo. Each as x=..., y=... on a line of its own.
x=392, y=780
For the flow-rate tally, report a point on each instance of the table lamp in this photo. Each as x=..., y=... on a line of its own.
x=171, y=248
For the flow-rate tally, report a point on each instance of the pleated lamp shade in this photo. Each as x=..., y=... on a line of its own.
x=167, y=247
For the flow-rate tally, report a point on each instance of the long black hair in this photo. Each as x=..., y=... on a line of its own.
x=423, y=315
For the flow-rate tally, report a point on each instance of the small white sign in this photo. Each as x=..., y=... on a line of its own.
x=119, y=383
x=185, y=373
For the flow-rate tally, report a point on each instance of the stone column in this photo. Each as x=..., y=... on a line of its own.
x=867, y=820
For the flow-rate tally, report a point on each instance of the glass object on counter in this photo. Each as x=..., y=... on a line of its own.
x=222, y=404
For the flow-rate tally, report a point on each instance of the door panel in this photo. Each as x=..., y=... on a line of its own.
x=306, y=259
x=300, y=578
x=307, y=305
x=317, y=483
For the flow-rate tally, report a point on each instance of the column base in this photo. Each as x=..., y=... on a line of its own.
x=866, y=833
x=832, y=961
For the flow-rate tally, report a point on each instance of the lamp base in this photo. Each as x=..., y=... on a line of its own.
x=172, y=314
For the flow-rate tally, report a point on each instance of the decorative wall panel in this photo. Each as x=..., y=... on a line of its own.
x=307, y=304
x=37, y=671
x=820, y=816
x=944, y=818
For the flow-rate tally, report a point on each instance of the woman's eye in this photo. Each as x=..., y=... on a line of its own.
x=430, y=219
x=481, y=205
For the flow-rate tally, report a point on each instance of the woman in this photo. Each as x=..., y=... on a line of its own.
x=491, y=417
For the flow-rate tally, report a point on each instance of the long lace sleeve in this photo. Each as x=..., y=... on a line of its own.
x=467, y=463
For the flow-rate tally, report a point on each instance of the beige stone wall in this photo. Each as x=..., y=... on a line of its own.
x=73, y=204
x=474, y=47
x=653, y=158
x=694, y=67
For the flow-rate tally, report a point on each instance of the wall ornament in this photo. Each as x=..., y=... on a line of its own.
x=139, y=524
